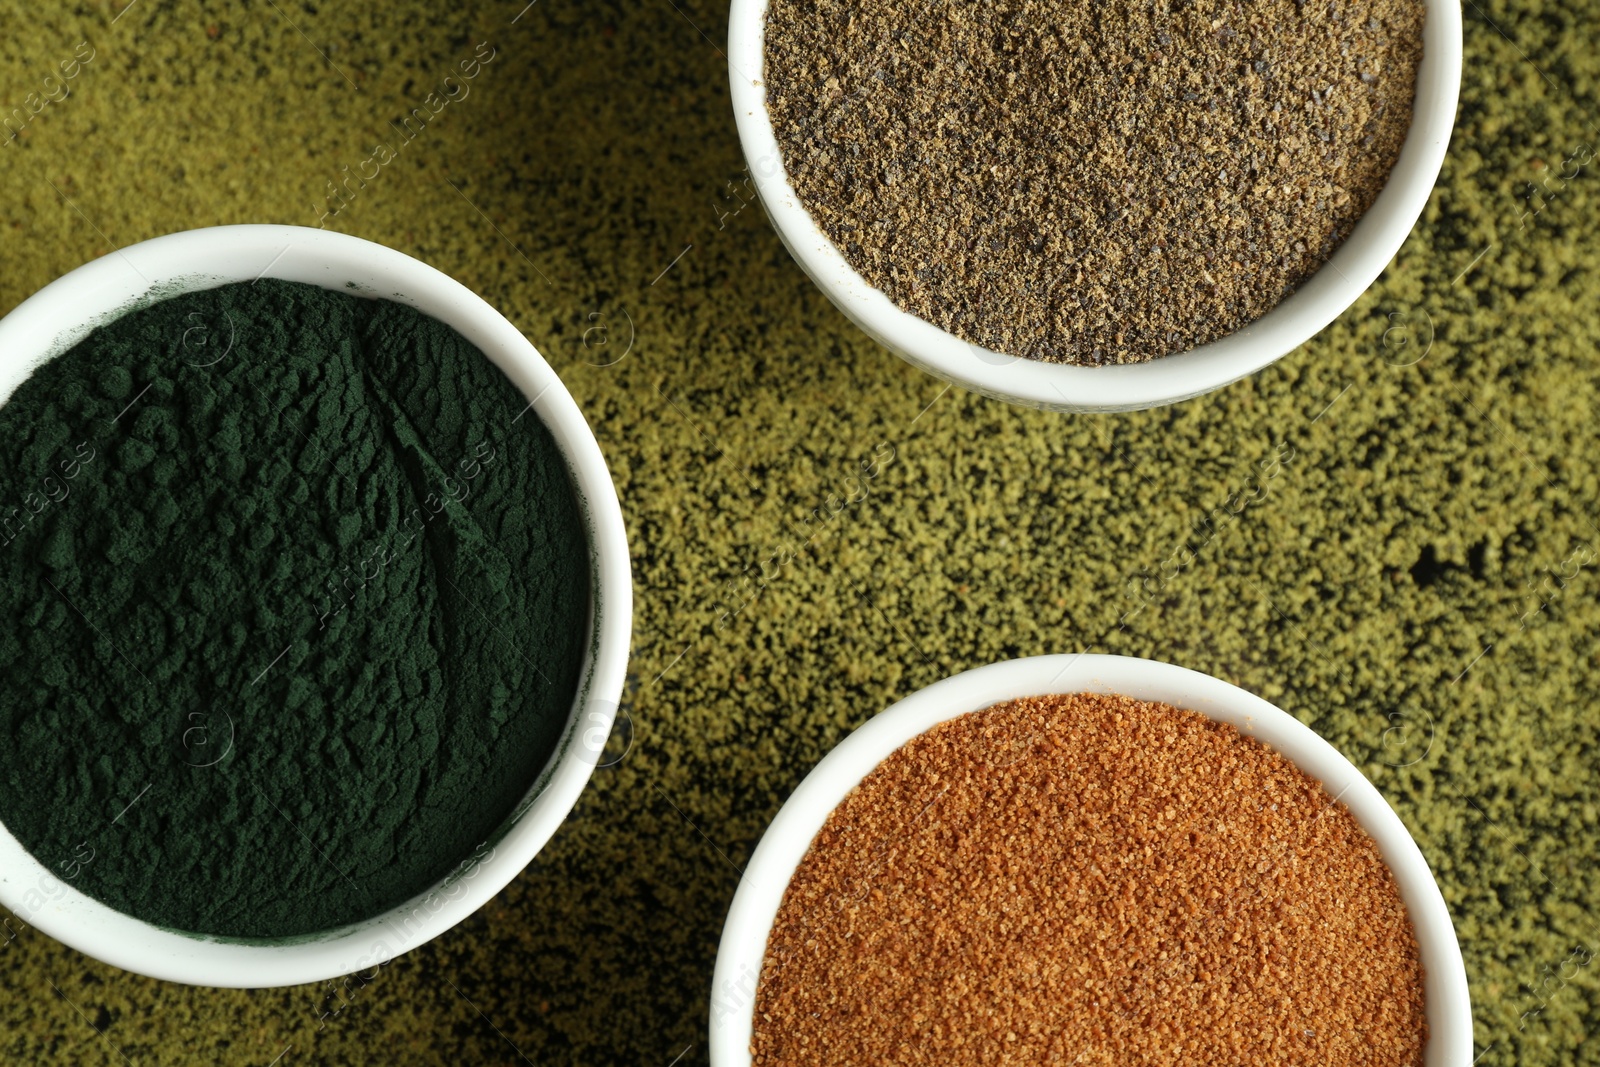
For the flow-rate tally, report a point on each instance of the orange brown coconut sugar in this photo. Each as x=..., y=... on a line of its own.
x=1089, y=880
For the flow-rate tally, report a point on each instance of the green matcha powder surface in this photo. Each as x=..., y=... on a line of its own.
x=295, y=596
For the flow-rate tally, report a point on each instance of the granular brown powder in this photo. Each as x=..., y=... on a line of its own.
x=1086, y=182
x=1090, y=880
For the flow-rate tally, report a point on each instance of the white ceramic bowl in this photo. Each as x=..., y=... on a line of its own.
x=61, y=314
x=766, y=877
x=1370, y=246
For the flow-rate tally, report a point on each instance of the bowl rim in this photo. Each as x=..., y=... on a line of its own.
x=1331, y=290
x=66, y=310
x=767, y=874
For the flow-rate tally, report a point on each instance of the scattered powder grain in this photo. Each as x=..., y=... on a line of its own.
x=1090, y=880
x=1090, y=183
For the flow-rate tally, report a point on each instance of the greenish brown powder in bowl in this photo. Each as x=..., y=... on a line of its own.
x=295, y=591
x=1090, y=183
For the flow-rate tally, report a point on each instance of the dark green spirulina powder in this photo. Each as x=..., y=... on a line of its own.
x=295, y=598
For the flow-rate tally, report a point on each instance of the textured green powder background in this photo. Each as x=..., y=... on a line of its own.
x=1384, y=588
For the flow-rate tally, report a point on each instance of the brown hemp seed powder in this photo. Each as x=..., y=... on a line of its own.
x=1083, y=182
x=1090, y=880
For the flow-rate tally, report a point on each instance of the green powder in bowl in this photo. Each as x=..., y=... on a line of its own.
x=296, y=602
